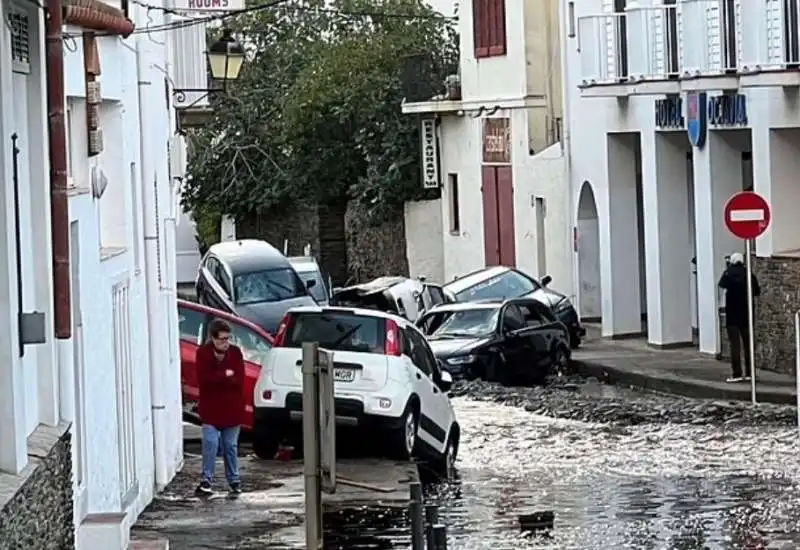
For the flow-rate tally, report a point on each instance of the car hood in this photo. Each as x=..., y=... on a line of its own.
x=449, y=347
x=547, y=296
x=268, y=315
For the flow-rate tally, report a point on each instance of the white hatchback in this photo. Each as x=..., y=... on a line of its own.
x=387, y=383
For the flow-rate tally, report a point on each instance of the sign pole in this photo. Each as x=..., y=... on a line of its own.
x=311, y=446
x=751, y=333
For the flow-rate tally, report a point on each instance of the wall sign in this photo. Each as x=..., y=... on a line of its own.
x=669, y=112
x=430, y=154
x=696, y=121
x=497, y=140
x=728, y=110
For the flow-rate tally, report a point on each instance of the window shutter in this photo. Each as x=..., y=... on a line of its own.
x=479, y=28
x=498, y=43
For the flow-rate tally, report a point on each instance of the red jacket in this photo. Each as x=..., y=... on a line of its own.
x=221, y=402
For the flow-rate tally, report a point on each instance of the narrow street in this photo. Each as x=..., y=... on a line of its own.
x=619, y=468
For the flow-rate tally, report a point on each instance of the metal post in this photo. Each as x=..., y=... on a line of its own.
x=797, y=362
x=415, y=517
x=750, y=328
x=431, y=519
x=440, y=536
x=311, y=447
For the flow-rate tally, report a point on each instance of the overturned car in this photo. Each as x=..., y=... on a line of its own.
x=403, y=296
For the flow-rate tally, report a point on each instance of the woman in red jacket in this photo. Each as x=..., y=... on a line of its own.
x=220, y=368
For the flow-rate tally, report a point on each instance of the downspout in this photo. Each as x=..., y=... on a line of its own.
x=154, y=320
x=59, y=206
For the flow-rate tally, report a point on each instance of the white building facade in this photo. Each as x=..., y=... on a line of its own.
x=112, y=390
x=672, y=108
x=498, y=161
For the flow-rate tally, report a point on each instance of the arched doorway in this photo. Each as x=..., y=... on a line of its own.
x=588, y=255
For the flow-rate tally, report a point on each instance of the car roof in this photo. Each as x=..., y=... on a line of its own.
x=249, y=255
x=225, y=315
x=377, y=285
x=474, y=278
x=354, y=311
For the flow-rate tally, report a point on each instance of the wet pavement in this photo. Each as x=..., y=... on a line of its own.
x=620, y=469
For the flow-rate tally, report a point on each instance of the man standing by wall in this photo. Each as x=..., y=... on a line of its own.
x=220, y=366
x=734, y=281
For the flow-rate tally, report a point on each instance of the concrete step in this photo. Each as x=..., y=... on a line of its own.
x=148, y=545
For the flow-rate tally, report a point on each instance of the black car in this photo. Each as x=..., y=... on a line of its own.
x=500, y=283
x=251, y=279
x=517, y=340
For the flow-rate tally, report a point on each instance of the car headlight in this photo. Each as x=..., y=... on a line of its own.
x=461, y=360
x=562, y=306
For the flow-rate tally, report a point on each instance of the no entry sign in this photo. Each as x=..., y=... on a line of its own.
x=747, y=215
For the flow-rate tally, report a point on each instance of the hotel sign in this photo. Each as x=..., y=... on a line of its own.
x=497, y=140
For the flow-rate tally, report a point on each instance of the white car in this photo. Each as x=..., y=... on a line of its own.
x=387, y=383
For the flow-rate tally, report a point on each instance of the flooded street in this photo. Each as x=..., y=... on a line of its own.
x=620, y=470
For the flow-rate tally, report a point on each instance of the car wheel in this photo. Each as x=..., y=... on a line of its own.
x=403, y=438
x=561, y=360
x=574, y=341
x=265, y=443
x=446, y=464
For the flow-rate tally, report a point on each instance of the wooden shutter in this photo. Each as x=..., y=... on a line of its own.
x=491, y=236
x=505, y=211
x=498, y=44
x=479, y=26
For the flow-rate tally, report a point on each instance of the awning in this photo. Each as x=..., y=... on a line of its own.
x=98, y=16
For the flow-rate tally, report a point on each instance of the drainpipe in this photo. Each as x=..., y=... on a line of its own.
x=153, y=291
x=59, y=205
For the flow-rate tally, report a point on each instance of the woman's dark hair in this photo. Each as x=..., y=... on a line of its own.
x=218, y=326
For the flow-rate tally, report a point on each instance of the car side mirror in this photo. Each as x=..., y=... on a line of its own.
x=546, y=280
x=446, y=381
x=311, y=283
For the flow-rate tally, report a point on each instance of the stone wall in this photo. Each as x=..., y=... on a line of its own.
x=348, y=249
x=779, y=278
x=39, y=515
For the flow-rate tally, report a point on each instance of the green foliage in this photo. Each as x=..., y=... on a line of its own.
x=316, y=116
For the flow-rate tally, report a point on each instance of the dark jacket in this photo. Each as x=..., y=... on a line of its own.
x=221, y=402
x=734, y=281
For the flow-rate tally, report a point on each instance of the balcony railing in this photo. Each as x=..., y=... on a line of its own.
x=654, y=38
x=603, y=48
x=771, y=40
x=715, y=41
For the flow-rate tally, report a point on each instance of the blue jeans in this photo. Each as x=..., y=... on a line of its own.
x=228, y=439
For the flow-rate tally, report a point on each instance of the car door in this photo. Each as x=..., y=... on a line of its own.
x=541, y=330
x=516, y=344
x=433, y=295
x=255, y=349
x=192, y=325
x=441, y=400
x=422, y=364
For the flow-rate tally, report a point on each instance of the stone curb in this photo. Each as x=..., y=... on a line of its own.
x=687, y=387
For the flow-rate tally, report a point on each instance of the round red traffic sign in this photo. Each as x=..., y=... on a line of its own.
x=747, y=215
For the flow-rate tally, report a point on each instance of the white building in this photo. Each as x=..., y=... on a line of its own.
x=499, y=164
x=648, y=201
x=113, y=386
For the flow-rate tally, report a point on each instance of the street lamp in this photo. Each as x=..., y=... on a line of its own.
x=225, y=59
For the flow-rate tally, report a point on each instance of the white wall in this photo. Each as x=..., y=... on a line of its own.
x=424, y=244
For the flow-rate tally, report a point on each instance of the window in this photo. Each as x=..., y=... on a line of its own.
x=511, y=284
x=273, y=285
x=191, y=325
x=434, y=295
x=420, y=355
x=342, y=332
x=20, y=41
x=489, y=27
x=455, y=215
x=460, y=323
x=254, y=346
x=320, y=290
x=513, y=318
x=532, y=315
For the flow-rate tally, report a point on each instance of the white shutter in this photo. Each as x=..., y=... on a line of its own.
x=681, y=36
x=659, y=49
x=189, y=63
x=737, y=9
x=774, y=38
x=610, y=42
x=713, y=16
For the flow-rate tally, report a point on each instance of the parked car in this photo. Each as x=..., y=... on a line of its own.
x=253, y=280
x=517, y=340
x=388, y=384
x=309, y=270
x=500, y=282
x=193, y=322
x=401, y=296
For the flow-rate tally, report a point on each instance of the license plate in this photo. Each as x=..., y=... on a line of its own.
x=344, y=375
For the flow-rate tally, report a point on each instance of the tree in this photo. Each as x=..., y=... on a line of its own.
x=316, y=115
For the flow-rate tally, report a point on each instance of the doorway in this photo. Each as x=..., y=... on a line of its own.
x=588, y=244
x=498, y=216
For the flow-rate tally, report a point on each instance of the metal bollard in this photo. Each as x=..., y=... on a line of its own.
x=440, y=536
x=415, y=517
x=431, y=519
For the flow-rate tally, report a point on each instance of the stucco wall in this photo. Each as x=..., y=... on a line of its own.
x=424, y=239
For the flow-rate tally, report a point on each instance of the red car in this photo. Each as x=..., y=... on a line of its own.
x=255, y=343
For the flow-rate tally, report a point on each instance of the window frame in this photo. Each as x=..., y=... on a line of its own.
x=511, y=308
x=489, y=28
x=455, y=211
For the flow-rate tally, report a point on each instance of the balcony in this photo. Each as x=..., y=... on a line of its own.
x=771, y=45
x=664, y=49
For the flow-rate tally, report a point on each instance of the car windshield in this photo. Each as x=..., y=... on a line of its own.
x=460, y=323
x=272, y=285
x=320, y=290
x=338, y=331
x=510, y=284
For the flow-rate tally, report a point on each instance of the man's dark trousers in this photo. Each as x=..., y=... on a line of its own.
x=739, y=338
